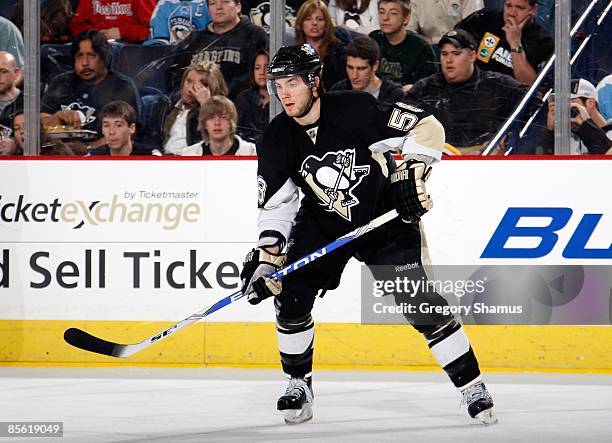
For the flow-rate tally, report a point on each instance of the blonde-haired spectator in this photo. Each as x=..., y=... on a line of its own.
x=217, y=123
x=179, y=121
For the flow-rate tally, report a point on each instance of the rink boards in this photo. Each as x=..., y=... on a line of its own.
x=125, y=248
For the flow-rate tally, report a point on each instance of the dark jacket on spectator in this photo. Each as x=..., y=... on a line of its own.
x=334, y=65
x=390, y=92
x=232, y=51
x=252, y=116
x=471, y=112
x=137, y=149
x=161, y=120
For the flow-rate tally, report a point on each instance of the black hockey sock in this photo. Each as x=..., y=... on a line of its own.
x=296, y=343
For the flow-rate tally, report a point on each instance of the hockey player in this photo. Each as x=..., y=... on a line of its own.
x=334, y=147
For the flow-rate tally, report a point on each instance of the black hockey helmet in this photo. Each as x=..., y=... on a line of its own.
x=301, y=60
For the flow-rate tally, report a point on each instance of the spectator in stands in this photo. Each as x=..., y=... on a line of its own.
x=11, y=99
x=253, y=104
x=355, y=15
x=471, y=104
x=125, y=20
x=11, y=41
x=178, y=125
x=511, y=41
x=591, y=133
x=172, y=21
x=119, y=128
x=314, y=26
x=75, y=98
x=433, y=19
x=55, y=17
x=229, y=40
x=362, y=61
x=405, y=55
x=218, y=121
x=48, y=145
x=604, y=96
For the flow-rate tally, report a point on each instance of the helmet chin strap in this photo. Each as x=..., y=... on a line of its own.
x=311, y=102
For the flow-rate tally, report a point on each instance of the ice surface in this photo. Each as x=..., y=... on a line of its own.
x=226, y=405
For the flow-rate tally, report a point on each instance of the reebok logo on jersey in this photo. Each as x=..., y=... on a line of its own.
x=333, y=179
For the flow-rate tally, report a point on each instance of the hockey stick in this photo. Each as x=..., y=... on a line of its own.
x=83, y=340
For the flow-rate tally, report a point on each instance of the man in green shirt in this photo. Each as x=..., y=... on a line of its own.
x=405, y=56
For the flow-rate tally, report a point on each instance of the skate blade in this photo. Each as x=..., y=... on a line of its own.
x=297, y=416
x=487, y=417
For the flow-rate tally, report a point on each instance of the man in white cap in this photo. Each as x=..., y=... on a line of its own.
x=591, y=133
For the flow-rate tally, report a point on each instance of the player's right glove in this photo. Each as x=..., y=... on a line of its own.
x=257, y=265
x=408, y=192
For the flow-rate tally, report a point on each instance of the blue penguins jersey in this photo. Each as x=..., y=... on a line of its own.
x=173, y=20
x=341, y=163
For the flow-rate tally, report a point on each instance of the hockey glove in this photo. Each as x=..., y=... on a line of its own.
x=408, y=191
x=257, y=264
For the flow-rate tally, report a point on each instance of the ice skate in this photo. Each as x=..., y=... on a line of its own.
x=296, y=403
x=479, y=403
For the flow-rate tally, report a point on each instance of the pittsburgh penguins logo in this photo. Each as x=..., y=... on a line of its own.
x=86, y=113
x=180, y=28
x=333, y=179
x=260, y=15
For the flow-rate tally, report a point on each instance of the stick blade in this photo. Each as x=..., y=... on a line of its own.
x=83, y=340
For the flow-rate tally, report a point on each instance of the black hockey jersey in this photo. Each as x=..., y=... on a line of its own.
x=341, y=163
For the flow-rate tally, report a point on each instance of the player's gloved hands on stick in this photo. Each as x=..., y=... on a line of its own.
x=408, y=191
x=257, y=265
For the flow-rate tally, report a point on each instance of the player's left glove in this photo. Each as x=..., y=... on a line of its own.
x=408, y=191
x=257, y=265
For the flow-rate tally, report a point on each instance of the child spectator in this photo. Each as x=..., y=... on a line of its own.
x=356, y=15
x=314, y=26
x=125, y=20
x=405, y=55
x=218, y=121
x=119, y=128
x=253, y=104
